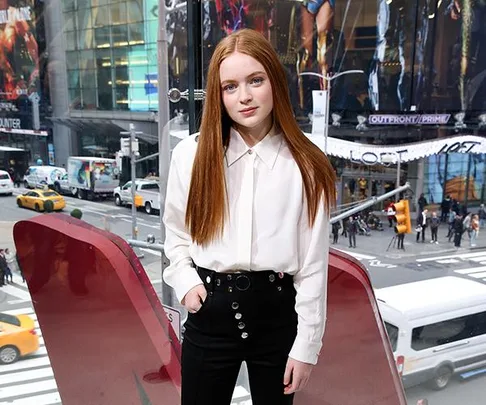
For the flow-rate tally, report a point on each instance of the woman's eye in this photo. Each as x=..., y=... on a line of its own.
x=229, y=87
x=257, y=80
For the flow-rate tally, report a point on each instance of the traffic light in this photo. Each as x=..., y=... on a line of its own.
x=402, y=217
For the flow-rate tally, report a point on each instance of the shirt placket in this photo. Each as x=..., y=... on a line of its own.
x=245, y=227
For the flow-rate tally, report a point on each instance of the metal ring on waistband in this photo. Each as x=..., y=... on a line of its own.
x=242, y=282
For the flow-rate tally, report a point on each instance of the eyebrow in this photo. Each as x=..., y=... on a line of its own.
x=258, y=72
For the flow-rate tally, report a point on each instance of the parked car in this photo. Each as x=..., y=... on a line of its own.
x=6, y=183
x=17, y=337
x=147, y=195
x=36, y=199
x=40, y=176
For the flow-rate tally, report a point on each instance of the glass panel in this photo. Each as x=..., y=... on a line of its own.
x=120, y=35
x=73, y=78
x=71, y=42
x=86, y=59
x=75, y=98
x=69, y=5
x=88, y=78
x=118, y=12
x=102, y=37
x=85, y=39
x=136, y=34
x=83, y=4
x=100, y=16
x=89, y=99
x=103, y=58
x=84, y=18
x=135, y=11
x=72, y=60
x=70, y=21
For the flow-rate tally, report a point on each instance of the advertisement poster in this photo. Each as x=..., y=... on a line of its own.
x=417, y=56
x=454, y=182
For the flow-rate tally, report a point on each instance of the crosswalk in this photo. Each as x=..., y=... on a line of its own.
x=471, y=264
x=30, y=380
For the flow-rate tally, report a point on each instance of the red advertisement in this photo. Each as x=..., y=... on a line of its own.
x=19, y=58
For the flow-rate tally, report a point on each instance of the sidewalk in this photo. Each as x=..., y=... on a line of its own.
x=6, y=235
x=378, y=242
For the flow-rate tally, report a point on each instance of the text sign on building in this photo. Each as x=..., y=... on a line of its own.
x=174, y=317
x=409, y=119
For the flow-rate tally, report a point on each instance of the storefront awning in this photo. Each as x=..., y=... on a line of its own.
x=389, y=154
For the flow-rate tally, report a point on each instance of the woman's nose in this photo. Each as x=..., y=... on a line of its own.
x=245, y=96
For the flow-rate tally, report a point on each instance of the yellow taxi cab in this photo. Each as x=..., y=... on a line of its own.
x=35, y=199
x=17, y=337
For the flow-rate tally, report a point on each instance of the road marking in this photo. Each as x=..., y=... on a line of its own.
x=45, y=399
x=478, y=275
x=30, y=388
x=28, y=362
x=456, y=256
x=152, y=252
x=448, y=261
x=471, y=270
x=147, y=225
x=378, y=263
x=358, y=256
x=27, y=375
x=10, y=289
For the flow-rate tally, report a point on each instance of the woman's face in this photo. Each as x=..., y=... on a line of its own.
x=247, y=92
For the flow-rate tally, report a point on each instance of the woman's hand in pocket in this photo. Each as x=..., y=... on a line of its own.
x=195, y=298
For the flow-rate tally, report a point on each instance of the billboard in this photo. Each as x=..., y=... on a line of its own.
x=422, y=56
x=19, y=66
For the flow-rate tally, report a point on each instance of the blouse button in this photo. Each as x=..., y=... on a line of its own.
x=279, y=288
x=235, y=305
x=244, y=335
x=271, y=277
x=241, y=325
x=238, y=316
x=250, y=151
x=208, y=279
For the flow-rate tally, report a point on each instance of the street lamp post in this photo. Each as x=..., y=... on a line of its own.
x=327, y=93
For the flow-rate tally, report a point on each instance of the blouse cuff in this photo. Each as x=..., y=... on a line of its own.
x=185, y=281
x=306, y=352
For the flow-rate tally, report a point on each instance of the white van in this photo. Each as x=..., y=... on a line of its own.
x=436, y=327
x=6, y=183
x=40, y=176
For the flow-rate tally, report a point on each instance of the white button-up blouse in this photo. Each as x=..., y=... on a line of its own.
x=267, y=229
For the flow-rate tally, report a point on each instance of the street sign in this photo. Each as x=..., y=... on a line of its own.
x=174, y=317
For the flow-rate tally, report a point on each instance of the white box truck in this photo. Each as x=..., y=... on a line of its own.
x=92, y=177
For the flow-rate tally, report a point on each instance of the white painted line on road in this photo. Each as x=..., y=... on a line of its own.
x=478, y=275
x=456, y=256
x=152, y=252
x=22, y=311
x=358, y=256
x=471, y=270
x=478, y=259
x=448, y=261
x=45, y=399
x=28, y=389
x=27, y=375
x=16, y=292
x=23, y=364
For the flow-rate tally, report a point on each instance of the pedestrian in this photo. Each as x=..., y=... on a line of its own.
x=482, y=216
x=4, y=270
x=422, y=202
x=248, y=186
x=434, y=227
x=390, y=211
x=345, y=228
x=458, y=231
x=421, y=225
x=445, y=208
x=352, y=231
x=466, y=224
x=336, y=226
x=474, y=230
x=450, y=221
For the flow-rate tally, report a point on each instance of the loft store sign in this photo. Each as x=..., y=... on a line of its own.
x=415, y=151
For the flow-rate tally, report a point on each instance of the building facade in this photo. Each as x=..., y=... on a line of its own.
x=423, y=69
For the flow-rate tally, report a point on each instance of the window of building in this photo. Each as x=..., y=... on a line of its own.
x=136, y=33
x=84, y=18
x=69, y=5
x=120, y=35
x=85, y=39
x=118, y=12
x=135, y=11
x=89, y=99
x=70, y=21
x=71, y=42
x=86, y=59
x=73, y=79
x=452, y=330
x=100, y=16
x=102, y=37
x=72, y=60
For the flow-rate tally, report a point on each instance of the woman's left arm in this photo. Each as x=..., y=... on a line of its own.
x=311, y=285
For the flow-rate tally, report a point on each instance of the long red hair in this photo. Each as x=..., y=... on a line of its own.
x=206, y=209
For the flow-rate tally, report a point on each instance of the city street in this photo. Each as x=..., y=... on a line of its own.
x=30, y=381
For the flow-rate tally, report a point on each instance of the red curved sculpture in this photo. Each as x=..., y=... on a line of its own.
x=109, y=340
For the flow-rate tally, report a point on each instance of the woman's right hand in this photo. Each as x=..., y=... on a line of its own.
x=194, y=299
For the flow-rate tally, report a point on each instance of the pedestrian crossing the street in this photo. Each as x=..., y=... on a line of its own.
x=471, y=264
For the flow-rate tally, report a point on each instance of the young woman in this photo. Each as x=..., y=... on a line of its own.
x=247, y=233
